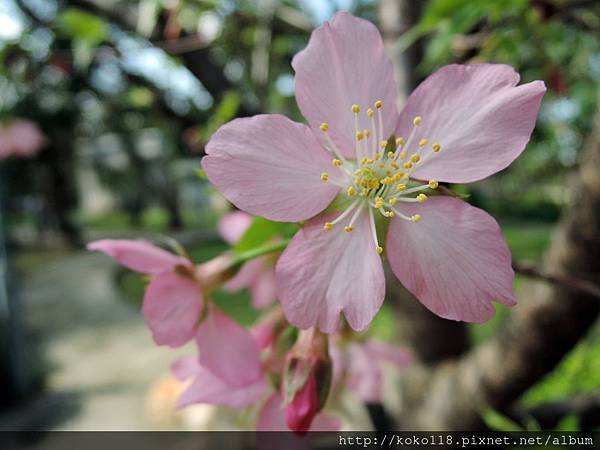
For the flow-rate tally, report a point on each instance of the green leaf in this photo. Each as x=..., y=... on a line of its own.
x=82, y=26
x=498, y=422
x=258, y=233
x=568, y=423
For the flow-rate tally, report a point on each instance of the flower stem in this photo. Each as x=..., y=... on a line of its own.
x=246, y=256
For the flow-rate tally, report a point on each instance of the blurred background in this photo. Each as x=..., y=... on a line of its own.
x=105, y=108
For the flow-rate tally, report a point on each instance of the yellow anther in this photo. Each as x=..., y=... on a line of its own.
x=415, y=158
x=407, y=165
x=378, y=104
x=393, y=201
x=394, y=165
x=324, y=176
x=436, y=147
x=351, y=191
x=405, y=176
x=367, y=133
x=370, y=112
x=377, y=156
x=324, y=127
x=348, y=229
x=368, y=161
x=416, y=218
x=390, y=155
x=381, y=165
x=417, y=120
x=400, y=141
x=383, y=144
x=421, y=198
x=379, y=249
x=328, y=226
x=336, y=162
x=423, y=142
x=389, y=214
x=379, y=202
x=359, y=136
x=355, y=109
x=402, y=155
x=433, y=184
x=401, y=187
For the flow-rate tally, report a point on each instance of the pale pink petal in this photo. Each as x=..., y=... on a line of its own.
x=323, y=273
x=208, y=388
x=478, y=114
x=454, y=260
x=245, y=276
x=345, y=64
x=233, y=225
x=172, y=307
x=228, y=350
x=272, y=418
x=270, y=166
x=141, y=256
x=185, y=367
x=263, y=287
x=388, y=353
x=264, y=332
x=364, y=376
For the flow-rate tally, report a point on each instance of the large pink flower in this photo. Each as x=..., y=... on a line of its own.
x=258, y=274
x=462, y=124
x=173, y=300
x=20, y=138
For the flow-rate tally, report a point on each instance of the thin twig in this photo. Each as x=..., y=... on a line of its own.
x=559, y=279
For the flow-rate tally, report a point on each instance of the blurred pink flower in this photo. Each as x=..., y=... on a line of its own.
x=20, y=138
x=462, y=124
x=359, y=365
x=272, y=417
x=259, y=274
x=173, y=300
x=228, y=371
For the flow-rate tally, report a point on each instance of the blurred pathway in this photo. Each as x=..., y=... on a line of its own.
x=99, y=357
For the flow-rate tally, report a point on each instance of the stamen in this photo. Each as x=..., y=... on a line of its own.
x=336, y=162
x=416, y=218
x=436, y=147
x=433, y=184
x=324, y=176
x=329, y=225
x=350, y=227
x=378, y=105
x=423, y=142
x=422, y=198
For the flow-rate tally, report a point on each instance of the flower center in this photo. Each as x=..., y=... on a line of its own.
x=380, y=176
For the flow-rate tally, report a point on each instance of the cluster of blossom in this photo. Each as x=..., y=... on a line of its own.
x=20, y=138
x=358, y=171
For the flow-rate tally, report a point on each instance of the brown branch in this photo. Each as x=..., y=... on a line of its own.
x=564, y=280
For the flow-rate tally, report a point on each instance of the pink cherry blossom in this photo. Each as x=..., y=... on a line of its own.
x=272, y=417
x=462, y=124
x=228, y=371
x=20, y=138
x=359, y=365
x=258, y=274
x=173, y=300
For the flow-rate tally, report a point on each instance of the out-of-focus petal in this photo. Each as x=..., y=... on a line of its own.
x=344, y=64
x=228, y=350
x=272, y=418
x=233, y=225
x=263, y=287
x=454, y=260
x=172, y=307
x=323, y=273
x=388, y=353
x=270, y=166
x=208, y=388
x=478, y=114
x=364, y=374
x=138, y=255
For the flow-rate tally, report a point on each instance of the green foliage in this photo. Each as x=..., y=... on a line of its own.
x=86, y=32
x=498, y=422
x=260, y=232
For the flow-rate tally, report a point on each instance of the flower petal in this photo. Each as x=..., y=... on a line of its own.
x=138, y=255
x=270, y=166
x=172, y=306
x=208, y=388
x=388, y=353
x=478, y=114
x=185, y=367
x=233, y=225
x=345, y=64
x=263, y=287
x=245, y=276
x=228, y=350
x=364, y=374
x=322, y=273
x=454, y=260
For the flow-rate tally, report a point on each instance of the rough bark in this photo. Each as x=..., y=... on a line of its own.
x=548, y=321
